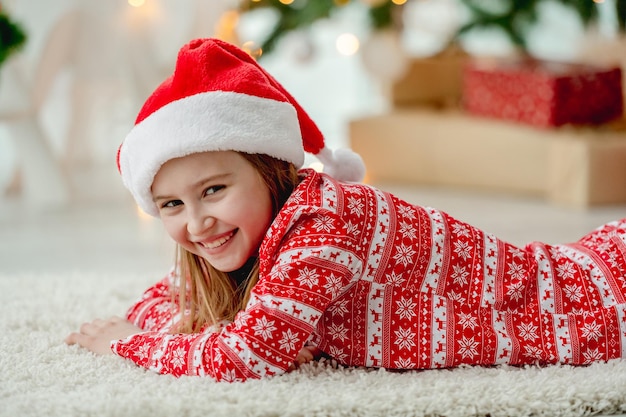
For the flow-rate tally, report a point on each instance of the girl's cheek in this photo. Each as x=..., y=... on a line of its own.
x=176, y=230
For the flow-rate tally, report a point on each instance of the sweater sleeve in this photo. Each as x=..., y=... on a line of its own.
x=313, y=264
x=156, y=310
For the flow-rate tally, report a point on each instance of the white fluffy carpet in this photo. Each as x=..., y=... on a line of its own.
x=41, y=376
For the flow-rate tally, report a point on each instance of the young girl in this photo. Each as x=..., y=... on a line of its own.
x=276, y=266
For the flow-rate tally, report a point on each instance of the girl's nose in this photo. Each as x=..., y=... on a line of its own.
x=199, y=222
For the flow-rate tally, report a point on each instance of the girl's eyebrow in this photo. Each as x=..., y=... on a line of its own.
x=199, y=183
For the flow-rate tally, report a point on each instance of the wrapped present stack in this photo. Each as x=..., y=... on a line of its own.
x=542, y=93
x=534, y=128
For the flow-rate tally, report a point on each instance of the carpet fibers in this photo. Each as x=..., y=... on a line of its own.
x=41, y=376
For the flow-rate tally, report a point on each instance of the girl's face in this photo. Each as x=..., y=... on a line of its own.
x=215, y=205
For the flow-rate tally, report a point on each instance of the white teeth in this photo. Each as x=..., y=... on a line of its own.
x=217, y=243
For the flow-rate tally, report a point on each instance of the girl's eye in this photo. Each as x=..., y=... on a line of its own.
x=214, y=189
x=172, y=203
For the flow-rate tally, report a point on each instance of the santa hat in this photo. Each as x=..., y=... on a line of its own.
x=219, y=98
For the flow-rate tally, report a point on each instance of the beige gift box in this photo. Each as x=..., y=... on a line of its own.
x=435, y=80
x=568, y=166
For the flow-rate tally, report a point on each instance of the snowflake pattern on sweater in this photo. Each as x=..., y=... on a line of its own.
x=375, y=281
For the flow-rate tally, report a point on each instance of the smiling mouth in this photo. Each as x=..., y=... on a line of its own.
x=218, y=242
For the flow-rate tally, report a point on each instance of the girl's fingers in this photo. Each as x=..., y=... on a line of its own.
x=86, y=328
x=71, y=339
x=96, y=325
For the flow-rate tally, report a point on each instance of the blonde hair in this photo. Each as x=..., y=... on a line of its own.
x=207, y=296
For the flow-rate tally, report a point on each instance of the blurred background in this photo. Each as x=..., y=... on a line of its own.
x=456, y=104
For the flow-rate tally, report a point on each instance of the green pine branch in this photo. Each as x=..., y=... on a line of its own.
x=586, y=9
x=513, y=21
x=522, y=14
x=291, y=17
x=302, y=14
x=621, y=14
x=12, y=37
x=513, y=17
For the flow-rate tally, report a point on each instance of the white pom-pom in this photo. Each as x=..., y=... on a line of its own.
x=342, y=164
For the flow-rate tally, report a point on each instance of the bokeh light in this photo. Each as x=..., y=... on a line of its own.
x=253, y=49
x=347, y=44
x=136, y=3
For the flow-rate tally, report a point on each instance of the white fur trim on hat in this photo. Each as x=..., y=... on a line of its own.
x=210, y=121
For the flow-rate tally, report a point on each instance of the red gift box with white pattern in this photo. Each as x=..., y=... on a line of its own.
x=542, y=93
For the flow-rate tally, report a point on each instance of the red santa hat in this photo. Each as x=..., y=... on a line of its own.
x=219, y=98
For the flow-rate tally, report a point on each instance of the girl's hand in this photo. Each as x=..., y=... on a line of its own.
x=97, y=335
x=307, y=354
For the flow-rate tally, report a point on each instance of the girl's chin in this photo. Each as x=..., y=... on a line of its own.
x=223, y=265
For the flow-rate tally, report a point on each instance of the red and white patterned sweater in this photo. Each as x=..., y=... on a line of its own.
x=375, y=281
